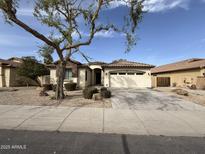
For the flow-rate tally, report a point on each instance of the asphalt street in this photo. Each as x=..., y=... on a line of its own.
x=36, y=142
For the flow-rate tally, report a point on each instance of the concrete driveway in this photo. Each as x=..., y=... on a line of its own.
x=148, y=99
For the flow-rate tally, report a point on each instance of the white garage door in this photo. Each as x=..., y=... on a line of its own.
x=129, y=80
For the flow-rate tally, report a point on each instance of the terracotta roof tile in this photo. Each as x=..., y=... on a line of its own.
x=181, y=65
x=9, y=63
x=125, y=63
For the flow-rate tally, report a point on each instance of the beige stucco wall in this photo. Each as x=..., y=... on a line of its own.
x=7, y=77
x=53, y=77
x=4, y=77
x=202, y=71
x=81, y=77
x=135, y=81
x=181, y=78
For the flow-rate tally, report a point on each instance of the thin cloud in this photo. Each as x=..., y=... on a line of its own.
x=163, y=5
x=101, y=34
x=105, y=34
x=15, y=40
x=157, y=5
x=25, y=12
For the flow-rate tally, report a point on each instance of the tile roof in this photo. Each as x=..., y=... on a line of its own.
x=71, y=60
x=125, y=63
x=97, y=63
x=181, y=65
x=9, y=63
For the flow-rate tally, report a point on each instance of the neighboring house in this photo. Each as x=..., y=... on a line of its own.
x=8, y=75
x=183, y=73
x=120, y=73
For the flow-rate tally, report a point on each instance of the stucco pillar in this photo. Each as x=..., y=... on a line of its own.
x=93, y=77
x=1, y=76
x=102, y=77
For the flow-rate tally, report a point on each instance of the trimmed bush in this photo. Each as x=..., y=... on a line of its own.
x=193, y=87
x=47, y=87
x=70, y=86
x=43, y=93
x=88, y=92
x=103, y=89
x=106, y=93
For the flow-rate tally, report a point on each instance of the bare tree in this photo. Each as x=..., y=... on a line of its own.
x=64, y=18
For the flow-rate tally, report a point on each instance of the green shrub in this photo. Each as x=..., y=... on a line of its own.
x=47, y=87
x=88, y=92
x=106, y=93
x=70, y=86
x=103, y=89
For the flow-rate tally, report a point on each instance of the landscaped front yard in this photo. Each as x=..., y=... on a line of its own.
x=137, y=99
x=30, y=96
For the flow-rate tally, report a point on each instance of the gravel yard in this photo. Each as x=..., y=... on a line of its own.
x=30, y=96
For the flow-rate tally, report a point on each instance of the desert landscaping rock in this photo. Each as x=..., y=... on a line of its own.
x=97, y=97
x=43, y=93
x=181, y=92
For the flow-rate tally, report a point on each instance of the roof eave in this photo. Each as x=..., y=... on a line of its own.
x=128, y=66
x=168, y=71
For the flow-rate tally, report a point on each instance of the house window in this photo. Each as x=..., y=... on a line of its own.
x=68, y=74
x=122, y=73
x=113, y=73
x=86, y=75
x=130, y=73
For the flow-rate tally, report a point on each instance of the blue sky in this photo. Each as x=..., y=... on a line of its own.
x=171, y=30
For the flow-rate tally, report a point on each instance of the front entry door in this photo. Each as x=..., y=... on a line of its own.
x=98, y=78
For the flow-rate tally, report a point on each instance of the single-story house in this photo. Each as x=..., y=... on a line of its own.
x=119, y=73
x=8, y=75
x=183, y=73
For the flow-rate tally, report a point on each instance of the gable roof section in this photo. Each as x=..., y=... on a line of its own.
x=70, y=60
x=193, y=63
x=53, y=65
x=128, y=64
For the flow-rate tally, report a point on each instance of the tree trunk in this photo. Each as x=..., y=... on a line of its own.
x=60, y=80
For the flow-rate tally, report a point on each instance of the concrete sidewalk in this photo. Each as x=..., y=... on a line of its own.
x=99, y=120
